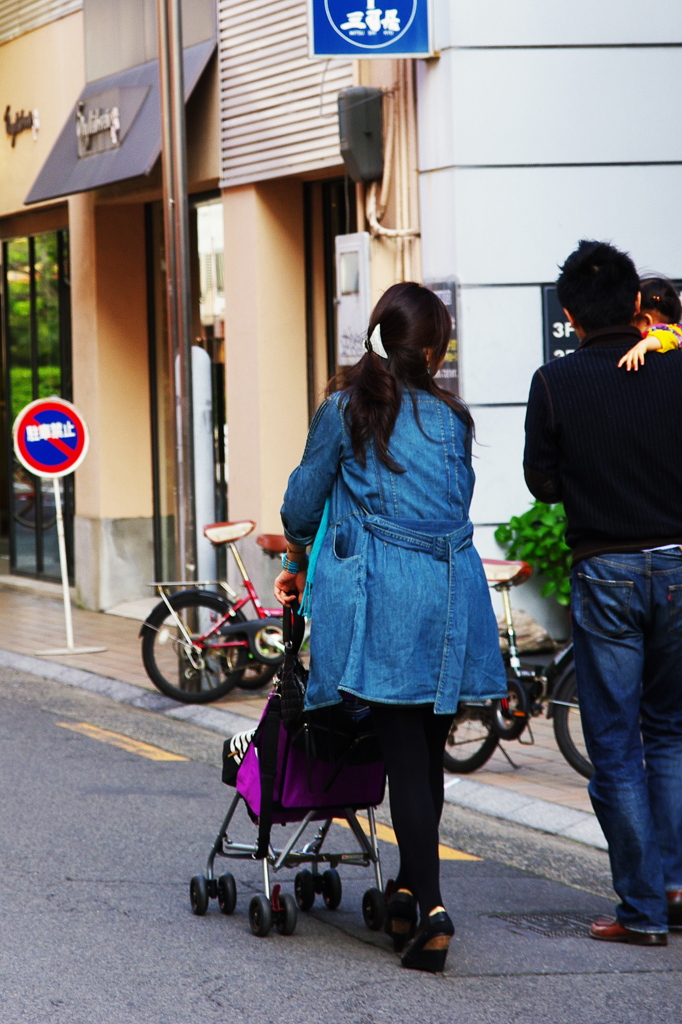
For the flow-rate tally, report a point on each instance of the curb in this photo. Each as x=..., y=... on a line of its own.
x=525, y=810
x=223, y=722
x=476, y=796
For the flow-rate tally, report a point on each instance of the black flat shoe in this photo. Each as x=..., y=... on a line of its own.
x=401, y=919
x=428, y=951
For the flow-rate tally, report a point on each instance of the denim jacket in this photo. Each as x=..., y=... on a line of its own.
x=401, y=610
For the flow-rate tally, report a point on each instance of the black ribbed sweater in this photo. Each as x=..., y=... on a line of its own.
x=608, y=444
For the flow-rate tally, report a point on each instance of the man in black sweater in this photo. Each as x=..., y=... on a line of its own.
x=609, y=445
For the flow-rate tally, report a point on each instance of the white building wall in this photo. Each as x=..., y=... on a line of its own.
x=540, y=124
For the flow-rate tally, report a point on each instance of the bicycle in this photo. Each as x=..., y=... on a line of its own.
x=197, y=644
x=478, y=728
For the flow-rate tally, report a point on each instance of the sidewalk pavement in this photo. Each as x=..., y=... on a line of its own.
x=540, y=790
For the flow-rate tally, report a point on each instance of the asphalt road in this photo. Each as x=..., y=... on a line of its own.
x=97, y=846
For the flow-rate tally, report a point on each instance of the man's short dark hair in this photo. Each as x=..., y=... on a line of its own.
x=598, y=285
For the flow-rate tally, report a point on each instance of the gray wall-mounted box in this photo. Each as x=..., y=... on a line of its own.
x=361, y=132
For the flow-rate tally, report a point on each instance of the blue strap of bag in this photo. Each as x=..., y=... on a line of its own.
x=307, y=600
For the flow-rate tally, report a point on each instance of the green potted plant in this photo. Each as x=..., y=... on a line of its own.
x=538, y=537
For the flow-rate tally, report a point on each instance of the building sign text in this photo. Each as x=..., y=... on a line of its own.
x=23, y=121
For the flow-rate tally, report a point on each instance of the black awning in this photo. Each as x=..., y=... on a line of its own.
x=114, y=131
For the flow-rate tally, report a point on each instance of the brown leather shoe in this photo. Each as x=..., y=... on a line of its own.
x=611, y=930
x=675, y=908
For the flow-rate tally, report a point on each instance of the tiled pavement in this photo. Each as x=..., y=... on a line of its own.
x=33, y=619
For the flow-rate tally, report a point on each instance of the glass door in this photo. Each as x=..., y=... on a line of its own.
x=37, y=364
x=208, y=370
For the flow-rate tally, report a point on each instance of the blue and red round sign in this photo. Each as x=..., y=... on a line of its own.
x=50, y=437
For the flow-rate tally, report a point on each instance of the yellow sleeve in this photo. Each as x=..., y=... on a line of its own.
x=668, y=339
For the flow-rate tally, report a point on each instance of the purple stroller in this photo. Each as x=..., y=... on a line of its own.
x=326, y=766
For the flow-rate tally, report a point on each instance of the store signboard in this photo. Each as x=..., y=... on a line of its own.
x=103, y=121
x=23, y=122
x=560, y=338
x=448, y=375
x=402, y=29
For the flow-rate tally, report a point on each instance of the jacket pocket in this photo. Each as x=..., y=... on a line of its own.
x=603, y=605
x=675, y=609
x=346, y=539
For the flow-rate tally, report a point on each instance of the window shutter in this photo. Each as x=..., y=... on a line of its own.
x=20, y=16
x=272, y=94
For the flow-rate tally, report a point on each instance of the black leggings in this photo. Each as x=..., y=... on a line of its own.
x=412, y=740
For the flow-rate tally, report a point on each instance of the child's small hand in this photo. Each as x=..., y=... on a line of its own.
x=635, y=357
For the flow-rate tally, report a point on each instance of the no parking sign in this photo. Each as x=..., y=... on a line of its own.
x=51, y=440
x=50, y=437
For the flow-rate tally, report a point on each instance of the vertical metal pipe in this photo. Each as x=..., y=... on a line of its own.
x=176, y=233
x=62, y=563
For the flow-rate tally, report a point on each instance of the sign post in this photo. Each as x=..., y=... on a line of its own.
x=51, y=440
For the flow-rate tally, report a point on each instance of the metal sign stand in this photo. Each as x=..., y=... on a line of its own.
x=69, y=649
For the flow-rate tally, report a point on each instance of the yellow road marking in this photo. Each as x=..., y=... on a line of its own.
x=388, y=836
x=116, y=739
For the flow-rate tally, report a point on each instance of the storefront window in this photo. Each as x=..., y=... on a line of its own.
x=36, y=349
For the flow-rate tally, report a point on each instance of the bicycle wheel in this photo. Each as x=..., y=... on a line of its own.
x=568, y=728
x=471, y=741
x=257, y=673
x=189, y=675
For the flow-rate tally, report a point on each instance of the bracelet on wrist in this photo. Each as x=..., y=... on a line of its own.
x=295, y=567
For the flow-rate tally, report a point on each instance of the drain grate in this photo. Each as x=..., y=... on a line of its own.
x=561, y=924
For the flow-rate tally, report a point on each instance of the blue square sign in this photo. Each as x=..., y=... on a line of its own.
x=362, y=28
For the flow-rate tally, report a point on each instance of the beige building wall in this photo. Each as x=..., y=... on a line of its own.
x=113, y=527
x=42, y=70
x=265, y=352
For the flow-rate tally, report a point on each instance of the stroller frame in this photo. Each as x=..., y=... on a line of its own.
x=281, y=909
x=310, y=854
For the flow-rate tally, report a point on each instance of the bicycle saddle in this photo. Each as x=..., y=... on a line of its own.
x=498, y=571
x=272, y=543
x=224, y=533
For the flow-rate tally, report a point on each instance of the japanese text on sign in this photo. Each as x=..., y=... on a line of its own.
x=48, y=431
x=371, y=22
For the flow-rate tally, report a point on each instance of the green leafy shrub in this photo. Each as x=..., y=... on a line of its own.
x=538, y=537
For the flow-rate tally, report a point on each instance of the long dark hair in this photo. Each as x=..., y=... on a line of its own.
x=411, y=318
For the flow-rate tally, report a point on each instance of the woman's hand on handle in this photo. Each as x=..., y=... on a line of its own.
x=289, y=587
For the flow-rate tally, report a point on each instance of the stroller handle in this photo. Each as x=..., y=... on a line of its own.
x=293, y=627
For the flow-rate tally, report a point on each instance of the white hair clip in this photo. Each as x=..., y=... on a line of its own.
x=373, y=343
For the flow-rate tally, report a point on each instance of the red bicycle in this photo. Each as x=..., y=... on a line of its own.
x=197, y=644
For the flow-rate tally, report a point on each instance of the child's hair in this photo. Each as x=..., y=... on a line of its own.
x=660, y=295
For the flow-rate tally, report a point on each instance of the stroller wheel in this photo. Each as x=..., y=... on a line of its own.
x=331, y=888
x=304, y=888
x=227, y=893
x=198, y=895
x=260, y=915
x=374, y=909
x=285, y=921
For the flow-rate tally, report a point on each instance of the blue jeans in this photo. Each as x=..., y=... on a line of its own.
x=627, y=632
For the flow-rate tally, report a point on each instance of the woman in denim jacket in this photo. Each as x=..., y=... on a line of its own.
x=401, y=612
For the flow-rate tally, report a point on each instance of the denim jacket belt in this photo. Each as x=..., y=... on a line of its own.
x=439, y=538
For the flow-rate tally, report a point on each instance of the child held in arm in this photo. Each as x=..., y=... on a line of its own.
x=658, y=320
